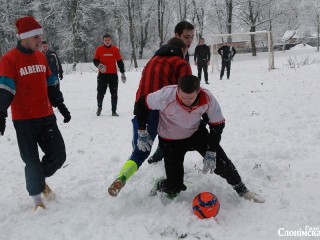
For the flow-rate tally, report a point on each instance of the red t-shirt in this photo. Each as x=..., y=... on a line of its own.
x=108, y=56
x=29, y=71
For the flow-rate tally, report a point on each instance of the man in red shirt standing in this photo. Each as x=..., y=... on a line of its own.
x=27, y=84
x=105, y=59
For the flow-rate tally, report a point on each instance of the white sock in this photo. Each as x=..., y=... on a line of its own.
x=37, y=199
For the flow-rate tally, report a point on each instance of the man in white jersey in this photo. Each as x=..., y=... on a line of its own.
x=180, y=130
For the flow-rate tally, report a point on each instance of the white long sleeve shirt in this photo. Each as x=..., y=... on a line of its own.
x=178, y=121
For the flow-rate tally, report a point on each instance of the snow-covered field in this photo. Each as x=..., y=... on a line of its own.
x=272, y=135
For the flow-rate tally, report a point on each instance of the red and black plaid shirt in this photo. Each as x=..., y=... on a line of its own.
x=162, y=71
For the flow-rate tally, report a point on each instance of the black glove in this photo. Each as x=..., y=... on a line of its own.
x=2, y=123
x=65, y=112
x=60, y=76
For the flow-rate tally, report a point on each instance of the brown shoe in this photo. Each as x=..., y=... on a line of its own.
x=116, y=186
x=48, y=193
x=40, y=205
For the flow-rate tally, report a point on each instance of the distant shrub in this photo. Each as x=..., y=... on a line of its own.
x=297, y=63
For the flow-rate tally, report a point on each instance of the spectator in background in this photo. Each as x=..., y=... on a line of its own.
x=53, y=60
x=202, y=59
x=227, y=53
x=105, y=58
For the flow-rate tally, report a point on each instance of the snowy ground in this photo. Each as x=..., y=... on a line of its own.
x=272, y=135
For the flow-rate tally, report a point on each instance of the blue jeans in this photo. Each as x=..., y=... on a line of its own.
x=152, y=126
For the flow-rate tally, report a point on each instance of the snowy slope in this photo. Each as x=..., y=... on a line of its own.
x=272, y=135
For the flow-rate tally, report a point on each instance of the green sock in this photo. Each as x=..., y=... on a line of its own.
x=128, y=169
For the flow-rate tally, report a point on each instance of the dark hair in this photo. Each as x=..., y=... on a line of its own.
x=183, y=25
x=177, y=42
x=44, y=42
x=107, y=36
x=189, y=84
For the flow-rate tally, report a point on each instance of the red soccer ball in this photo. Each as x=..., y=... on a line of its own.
x=205, y=205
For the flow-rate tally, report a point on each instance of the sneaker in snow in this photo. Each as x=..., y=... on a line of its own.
x=115, y=114
x=161, y=186
x=251, y=196
x=99, y=111
x=48, y=193
x=40, y=205
x=116, y=186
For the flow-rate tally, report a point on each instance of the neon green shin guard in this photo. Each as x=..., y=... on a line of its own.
x=128, y=169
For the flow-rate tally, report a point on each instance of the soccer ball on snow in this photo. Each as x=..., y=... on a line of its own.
x=205, y=205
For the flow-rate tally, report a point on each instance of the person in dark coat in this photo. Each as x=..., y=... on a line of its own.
x=53, y=60
x=202, y=59
x=185, y=31
x=227, y=53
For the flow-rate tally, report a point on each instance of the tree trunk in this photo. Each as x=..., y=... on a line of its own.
x=131, y=33
x=161, y=10
x=252, y=29
x=229, y=15
x=318, y=31
x=73, y=18
x=253, y=43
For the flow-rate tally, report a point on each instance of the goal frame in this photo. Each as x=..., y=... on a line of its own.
x=215, y=42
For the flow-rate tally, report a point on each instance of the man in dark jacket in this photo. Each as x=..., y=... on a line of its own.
x=164, y=69
x=53, y=60
x=202, y=59
x=227, y=53
x=185, y=31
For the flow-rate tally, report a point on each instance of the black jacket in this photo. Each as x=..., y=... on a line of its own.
x=166, y=50
x=54, y=62
x=202, y=52
x=227, y=52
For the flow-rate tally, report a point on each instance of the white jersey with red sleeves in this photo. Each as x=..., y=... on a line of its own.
x=178, y=121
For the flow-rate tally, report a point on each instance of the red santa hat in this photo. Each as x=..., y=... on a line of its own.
x=28, y=27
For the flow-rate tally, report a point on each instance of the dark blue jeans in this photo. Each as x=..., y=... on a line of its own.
x=152, y=126
x=42, y=132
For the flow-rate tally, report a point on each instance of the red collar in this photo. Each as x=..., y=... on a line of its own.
x=202, y=101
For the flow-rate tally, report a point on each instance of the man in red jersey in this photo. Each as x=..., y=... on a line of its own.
x=105, y=59
x=164, y=69
x=27, y=84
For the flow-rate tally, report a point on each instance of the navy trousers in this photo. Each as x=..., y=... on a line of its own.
x=42, y=132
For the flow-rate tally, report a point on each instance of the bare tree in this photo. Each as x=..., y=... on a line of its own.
x=199, y=15
x=229, y=6
x=144, y=14
x=130, y=8
x=161, y=10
